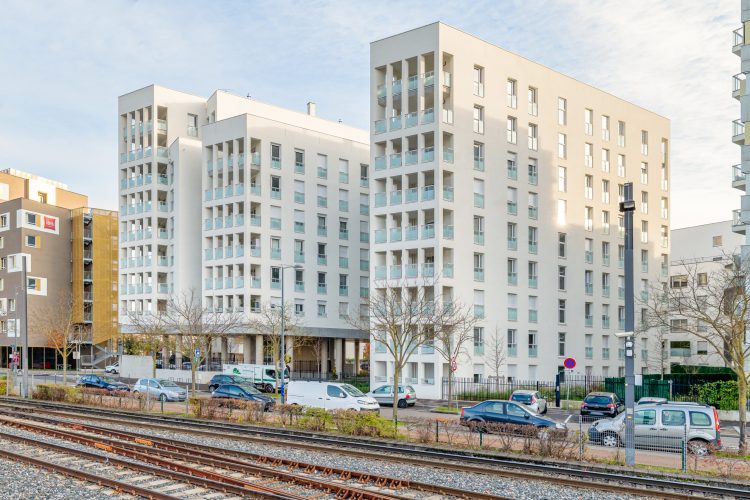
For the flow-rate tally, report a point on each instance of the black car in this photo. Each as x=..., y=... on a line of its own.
x=504, y=412
x=217, y=380
x=606, y=404
x=243, y=392
x=97, y=382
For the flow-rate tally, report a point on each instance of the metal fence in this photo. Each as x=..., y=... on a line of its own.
x=571, y=387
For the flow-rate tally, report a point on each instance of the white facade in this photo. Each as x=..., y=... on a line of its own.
x=707, y=247
x=217, y=194
x=740, y=132
x=497, y=181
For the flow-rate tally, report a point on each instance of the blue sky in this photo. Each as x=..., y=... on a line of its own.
x=63, y=64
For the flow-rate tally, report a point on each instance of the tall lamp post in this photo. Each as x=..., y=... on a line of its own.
x=627, y=207
x=282, y=360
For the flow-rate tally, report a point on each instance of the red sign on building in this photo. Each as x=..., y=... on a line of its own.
x=50, y=223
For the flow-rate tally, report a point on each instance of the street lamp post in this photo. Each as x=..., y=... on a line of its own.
x=627, y=207
x=24, y=332
x=282, y=361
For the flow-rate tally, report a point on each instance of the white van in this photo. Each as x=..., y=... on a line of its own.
x=262, y=376
x=329, y=395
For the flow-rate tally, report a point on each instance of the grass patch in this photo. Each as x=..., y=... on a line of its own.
x=445, y=409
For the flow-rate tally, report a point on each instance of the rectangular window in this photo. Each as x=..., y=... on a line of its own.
x=562, y=212
x=644, y=142
x=605, y=191
x=562, y=111
x=621, y=165
x=621, y=134
x=533, y=171
x=478, y=337
x=511, y=87
x=299, y=161
x=512, y=236
x=343, y=171
x=605, y=128
x=478, y=81
x=561, y=245
x=644, y=231
x=562, y=179
x=665, y=211
x=605, y=160
x=561, y=344
x=478, y=156
x=533, y=243
x=588, y=187
x=588, y=218
x=533, y=140
x=561, y=311
x=322, y=166
x=644, y=202
x=588, y=121
x=32, y=241
x=275, y=155
x=479, y=119
x=562, y=148
x=644, y=173
x=512, y=131
x=561, y=272
x=605, y=222
x=533, y=105
x=588, y=155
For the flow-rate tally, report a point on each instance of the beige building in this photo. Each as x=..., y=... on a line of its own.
x=496, y=183
x=55, y=230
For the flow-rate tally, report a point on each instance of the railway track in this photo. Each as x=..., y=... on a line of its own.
x=578, y=477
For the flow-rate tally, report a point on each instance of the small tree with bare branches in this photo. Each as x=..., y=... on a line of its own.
x=57, y=323
x=268, y=323
x=713, y=307
x=452, y=331
x=494, y=353
x=150, y=334
x=397, y=318
x=198, y=326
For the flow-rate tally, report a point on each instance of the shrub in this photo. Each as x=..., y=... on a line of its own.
x=372, y=424
x=344, y=421
x=50, y=392
x=723, y=395
x=289, y=413
x=315, y=419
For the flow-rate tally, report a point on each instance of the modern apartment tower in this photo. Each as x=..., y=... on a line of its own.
x=496, y=183
x=71, y=264
x=261, y=188
x=740, y=132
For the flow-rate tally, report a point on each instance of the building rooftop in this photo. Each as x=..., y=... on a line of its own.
x=32, y=177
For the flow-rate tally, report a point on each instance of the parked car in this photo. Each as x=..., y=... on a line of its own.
x=244, y=393
x=649, y=399
x=262, y=376
x=97, y=382
x=533, y=400
x=161, y=389
x=113, y=368
x=329, y=395
x=664, y=426
x=504, y=412
x=606, y=404
x=407, y=396
x=220, y=379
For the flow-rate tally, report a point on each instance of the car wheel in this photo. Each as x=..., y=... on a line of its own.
x=698, y=447
x=545, y=411
x=610, y=440
x=402, y=403
x=135, y=393
x=268, y=388
x=212, y=388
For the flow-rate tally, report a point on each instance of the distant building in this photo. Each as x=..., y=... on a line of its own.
x=71, y=252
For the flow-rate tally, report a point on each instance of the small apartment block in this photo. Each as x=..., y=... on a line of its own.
x=490, y=169
x=279, y=188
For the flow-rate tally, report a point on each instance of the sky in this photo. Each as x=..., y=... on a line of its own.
x=63, y=65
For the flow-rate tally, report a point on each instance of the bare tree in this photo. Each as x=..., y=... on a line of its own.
x=268, y=323
x=57, y=323
x=198, y=326
x=657, y=358
x=149, y=334
x=494, y=353
x=397, y=319
x=712, y=307
x=452, y=331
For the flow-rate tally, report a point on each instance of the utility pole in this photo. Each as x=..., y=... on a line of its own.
x=627, y=207
x=24, y=332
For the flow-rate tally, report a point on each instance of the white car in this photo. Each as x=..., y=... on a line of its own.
x=329, y=395
x=115, y=368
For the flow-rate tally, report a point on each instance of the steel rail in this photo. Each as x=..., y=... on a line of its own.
x=417, y=454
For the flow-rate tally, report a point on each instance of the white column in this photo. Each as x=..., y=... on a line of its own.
x=338, y=356
x=224, y=349
x=356, y=357
x=324, y=357
x=178, y=352
x=259, y=349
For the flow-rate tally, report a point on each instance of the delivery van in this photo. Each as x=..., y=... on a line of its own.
x=262, y=376
x=329, y=395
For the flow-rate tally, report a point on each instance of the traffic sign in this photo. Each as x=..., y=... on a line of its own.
x=569, y=363
x=197, y=355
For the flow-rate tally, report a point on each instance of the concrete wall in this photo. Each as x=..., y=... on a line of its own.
x=136, y=366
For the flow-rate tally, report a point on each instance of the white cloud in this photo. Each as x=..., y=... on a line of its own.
x=65, y=63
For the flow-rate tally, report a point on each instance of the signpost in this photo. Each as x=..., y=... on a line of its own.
x=569, y=363
x=627, y=207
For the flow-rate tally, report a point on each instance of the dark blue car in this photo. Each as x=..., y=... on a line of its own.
x=504, y=412
x=97, y=382
x=243, y=392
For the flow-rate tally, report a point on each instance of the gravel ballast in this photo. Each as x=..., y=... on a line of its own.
x=515, y=488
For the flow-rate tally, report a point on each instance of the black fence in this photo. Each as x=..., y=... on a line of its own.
x=572, y=387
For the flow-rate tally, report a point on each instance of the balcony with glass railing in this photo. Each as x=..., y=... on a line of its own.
x=411, y=157
x=411, y=270
x=533, y=315
x=428, y=116
x=428, y=231
x=738, y=177
x=478, y=311
x=479, y=164
x=448, y=232
x=395, y=160
x=428, y=270
x=411, y=119
x=447, y=270
x=412, y=233
x=448, y=155
x=380, y=163
x=395, y=272
x=478, y=238
x=379, y=127
x=738, y=85
x=738, y=40
x=396, y=234
x=428, y=154
x=276, y=253
x=738, y=132
x=394, y=123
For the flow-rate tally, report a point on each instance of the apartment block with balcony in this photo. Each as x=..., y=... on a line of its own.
x=740, y=131
x=496, y=184
x=277, y=188
x=698, y=253
x=52, y=226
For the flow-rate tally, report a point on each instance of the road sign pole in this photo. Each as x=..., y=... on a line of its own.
x=627, y=206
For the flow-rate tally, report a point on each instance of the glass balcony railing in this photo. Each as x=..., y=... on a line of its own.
x=448, y=193
x=411, y=157
x=533, y=213
x=255, y=251
x=255, y=282
x=395, y=272
x=381, y=236
x=428, y=193
x=513, y=244
x=428, y=231
x=533, y=281
x=589, y=321
x=479, y=238
x=380, y=272
x=428, y=154
x=478, y=200
x=588, y=288
x=396, y=234
x=447, y=270
x=395, y=160
x=512, y=207
x=276, y=253
x=589, y=352
x=478, y=274
x=533, y=315
x=411, y=270
x=479, y=164
x=428, y=116
x=395, y=197
x=428, y=270
x=380, y=126
x=513, y=279
x=380, y=163
x=478, y=311
x=412, y=195
x=412, y=119
x=412, y=233
x=447, y=232
x=394, y=123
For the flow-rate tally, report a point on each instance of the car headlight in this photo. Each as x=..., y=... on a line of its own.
x=559, y=426
x=363, y=402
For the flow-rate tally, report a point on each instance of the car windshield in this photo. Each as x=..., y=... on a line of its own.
x=598, y=400
x=250, y=389
x=523, y=398
x=353, y=391
x=241, y=380
x=167, y=383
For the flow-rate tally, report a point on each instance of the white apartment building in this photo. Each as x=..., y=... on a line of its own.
x=263, y=187
x=741, y=133
x=703, y=249
x=496, y=183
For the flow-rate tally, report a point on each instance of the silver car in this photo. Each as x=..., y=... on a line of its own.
x=532, y=400
x=664, y=426
x=160, y=389
x=407, y=396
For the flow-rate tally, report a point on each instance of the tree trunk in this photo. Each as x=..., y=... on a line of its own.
x=65, y=367
x=276, y=368
x=396, y=374
x=450, y=386
x=153, y=363
x=742, y=400
x=193, y=369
